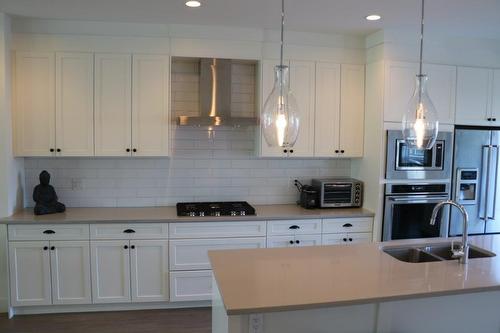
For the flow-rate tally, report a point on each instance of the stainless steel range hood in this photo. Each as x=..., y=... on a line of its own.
x=215, y=97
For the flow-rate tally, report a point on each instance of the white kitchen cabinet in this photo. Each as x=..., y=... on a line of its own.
x=302, y=84
x=294, y=227
x=327, y=116
x=400, y=79
x=495, y=103
x=149, y=270
x=348, y=225
x=346, y=238
x=29, y=266
x=32, y=232
x=125, y=231
x=113, y=104
x=74, y=104
x=34, y=104
x=70, y=271
x=191, y=286
x=223, y=229
x=110, y=265
x=150, y=116
x=474, y=96
x=293, y=241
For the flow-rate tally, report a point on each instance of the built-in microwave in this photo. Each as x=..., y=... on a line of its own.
x=405, y=163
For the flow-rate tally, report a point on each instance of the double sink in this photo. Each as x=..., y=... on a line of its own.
x=432, y=252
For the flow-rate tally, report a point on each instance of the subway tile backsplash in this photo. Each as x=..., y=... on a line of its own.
x=202, y=167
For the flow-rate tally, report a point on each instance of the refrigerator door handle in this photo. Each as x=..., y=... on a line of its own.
x=492, y=217
x=485, y=170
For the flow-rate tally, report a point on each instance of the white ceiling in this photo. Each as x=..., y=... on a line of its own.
x=471, y=18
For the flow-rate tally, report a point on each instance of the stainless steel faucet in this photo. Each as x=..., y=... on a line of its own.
x=463, y=252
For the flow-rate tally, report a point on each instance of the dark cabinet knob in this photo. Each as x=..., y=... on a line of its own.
x=350, y=239
x=45, y=248
x=128, y=150
x=49, y=232
x=336, y=151
x=344, y=239
x=285, y=150
x=297, y=242
x=52, y=248
x=132, y=247
x=129, y=231
x=291, y=242
x=291, y=151
x=342, y=151
x=494, y=119
x=488, y=119
x=134, y=150
x=125, y=247
x=58, y=150
x=52, y=150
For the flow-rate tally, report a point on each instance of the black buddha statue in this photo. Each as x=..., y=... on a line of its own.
x=45, y=197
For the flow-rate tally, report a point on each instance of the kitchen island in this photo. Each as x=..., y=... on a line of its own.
x=359, y=288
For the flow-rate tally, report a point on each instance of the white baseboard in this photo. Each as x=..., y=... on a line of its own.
x=26, y=310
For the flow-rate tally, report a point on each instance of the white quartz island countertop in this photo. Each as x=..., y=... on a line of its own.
x=286, y=279
x=169, y=214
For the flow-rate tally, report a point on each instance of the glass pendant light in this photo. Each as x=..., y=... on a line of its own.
x=280, y=118
x=420, y=121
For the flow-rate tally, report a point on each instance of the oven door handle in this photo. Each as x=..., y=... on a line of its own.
x=422, y=200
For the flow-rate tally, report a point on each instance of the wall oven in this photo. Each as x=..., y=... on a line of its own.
x=406, y=163
x=408, y=209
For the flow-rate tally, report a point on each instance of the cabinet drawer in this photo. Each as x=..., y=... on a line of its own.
x=48, y=232
x=191, y=254
x=190, y=286
x=346, y=238
x=343, y=225
x=129, y=231
x=294, y=227
x=293, y=241
x=218, y=229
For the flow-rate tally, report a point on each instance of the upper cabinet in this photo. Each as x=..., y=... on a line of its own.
x=478, y=96
x=63, y=109
x=400, y=78
x=34, y=102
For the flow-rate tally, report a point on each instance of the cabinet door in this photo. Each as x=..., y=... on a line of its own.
x=359, y=238
x=190, y=286
x=267, y=86
x=352, y=110
x=70, y=270
x=110, y=266
x=75, y=104
x=334, y=239
x=150, y=117
x=327, y=115
x=293, y=241
x=400, y=78
x=473, y=96
x=495, y=103
x=302, y=84
x=34, y=104
x=149, y=270
x=29, y=264
x=113, y=111
x=442, y=87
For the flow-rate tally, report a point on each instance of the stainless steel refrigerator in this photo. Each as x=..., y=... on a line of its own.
x=476, y=180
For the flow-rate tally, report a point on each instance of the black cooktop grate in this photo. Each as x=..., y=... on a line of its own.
x=228, y=208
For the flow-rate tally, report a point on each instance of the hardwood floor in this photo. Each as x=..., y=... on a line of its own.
x=148, y=321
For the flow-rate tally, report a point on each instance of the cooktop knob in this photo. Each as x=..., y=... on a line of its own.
x=233, y=213
x=217, y=213
x=242, y=213
x=202, y=213
x=192, y=214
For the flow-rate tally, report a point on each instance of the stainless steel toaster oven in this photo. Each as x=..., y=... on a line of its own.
x=339, y=192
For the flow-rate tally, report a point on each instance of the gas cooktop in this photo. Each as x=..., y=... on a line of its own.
x=228, y=208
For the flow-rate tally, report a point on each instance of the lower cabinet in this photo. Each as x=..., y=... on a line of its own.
x=293, y=240
x=190, y=285
x=346, y=238
x=125, y=271
x=44, y=273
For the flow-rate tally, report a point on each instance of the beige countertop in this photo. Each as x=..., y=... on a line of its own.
x=282, y=279
x=168, y=214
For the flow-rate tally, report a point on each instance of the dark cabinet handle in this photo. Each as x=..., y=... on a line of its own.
x=488, y=119
x=45, y=248
x=58, y=150
x=132, y=247
x=52, y=150
x=294, y=227
x=291, y=151
x=297, y=242
x=342, y=151
x=128, y=150
x=344, y=239
x=125, y=247
x=347, y=225
x=129, y=231
x=49, y=232
x=285, y=150
x=494, y=119
x=291, y=242
x=52, y=248
x=350, y=239
x=336, y=151
x=134, y=150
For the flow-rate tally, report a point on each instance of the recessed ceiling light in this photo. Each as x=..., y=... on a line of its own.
x=193, y=3
x=373, y=17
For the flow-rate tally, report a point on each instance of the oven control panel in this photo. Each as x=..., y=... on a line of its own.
x=467, y=186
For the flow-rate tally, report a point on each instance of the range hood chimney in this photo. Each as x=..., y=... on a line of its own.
x=215, y=97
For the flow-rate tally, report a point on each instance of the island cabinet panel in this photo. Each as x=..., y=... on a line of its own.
x=294, y=227
x=217, y=229
x=350, y=225
x=48, y=232
x=110, y=262
x=192, y=254
x=190, y=286
x=70, y=271
x=149, y=270
x=294, y=241
x=29, y=264
x=129, y=231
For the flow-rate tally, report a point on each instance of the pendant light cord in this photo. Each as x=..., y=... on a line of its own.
x=282, y=30
x=422, y=38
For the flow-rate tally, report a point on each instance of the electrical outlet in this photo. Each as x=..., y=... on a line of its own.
x=76, y=184
x=256, y=323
